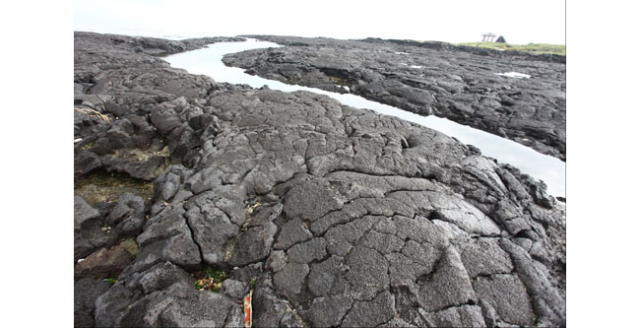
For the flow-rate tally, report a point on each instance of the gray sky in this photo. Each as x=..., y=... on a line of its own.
x=521, y=22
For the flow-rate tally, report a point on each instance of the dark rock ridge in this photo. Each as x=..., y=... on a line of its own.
x=126, y=104
x=455, y=82
x=151, y=46
x=335, y=216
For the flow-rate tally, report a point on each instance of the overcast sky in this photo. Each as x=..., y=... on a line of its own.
x=520, y=22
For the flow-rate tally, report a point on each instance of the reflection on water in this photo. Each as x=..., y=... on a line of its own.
x=515, y=75
x=208, y=61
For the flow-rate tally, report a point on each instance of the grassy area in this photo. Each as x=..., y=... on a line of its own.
x=534, y=48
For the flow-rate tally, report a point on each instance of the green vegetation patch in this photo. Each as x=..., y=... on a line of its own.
x=113, y=279
x=210, y=279
x=533, y=48
x=101, y=186
x=88, y=146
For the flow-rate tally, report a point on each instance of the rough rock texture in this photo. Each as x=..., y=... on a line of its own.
x=85, y=292
x=103, y=263
x=90, y=230
x=455, y=82
x=126, y=103
x=102, y=226
x=334, y=216
x=128, y=214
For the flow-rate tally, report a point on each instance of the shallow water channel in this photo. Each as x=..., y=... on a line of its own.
x=208, y=61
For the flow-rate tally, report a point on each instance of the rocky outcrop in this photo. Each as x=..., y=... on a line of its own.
x=430, y=78
x=333, y=216
x=127, y=102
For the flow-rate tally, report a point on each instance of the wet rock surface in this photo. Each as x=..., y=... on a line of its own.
x=430, y=78
x=333, y=216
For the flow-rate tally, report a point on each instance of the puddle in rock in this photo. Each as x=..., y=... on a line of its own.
x=515, y=75
x=101, y=186
x=208, y=61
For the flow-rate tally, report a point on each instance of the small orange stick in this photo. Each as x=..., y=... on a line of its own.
x=247, y=310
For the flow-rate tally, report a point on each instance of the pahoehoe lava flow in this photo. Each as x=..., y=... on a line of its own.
x=332, y=215
x=461, y=83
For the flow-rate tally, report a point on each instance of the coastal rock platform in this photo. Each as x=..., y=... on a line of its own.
x=331, y=215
